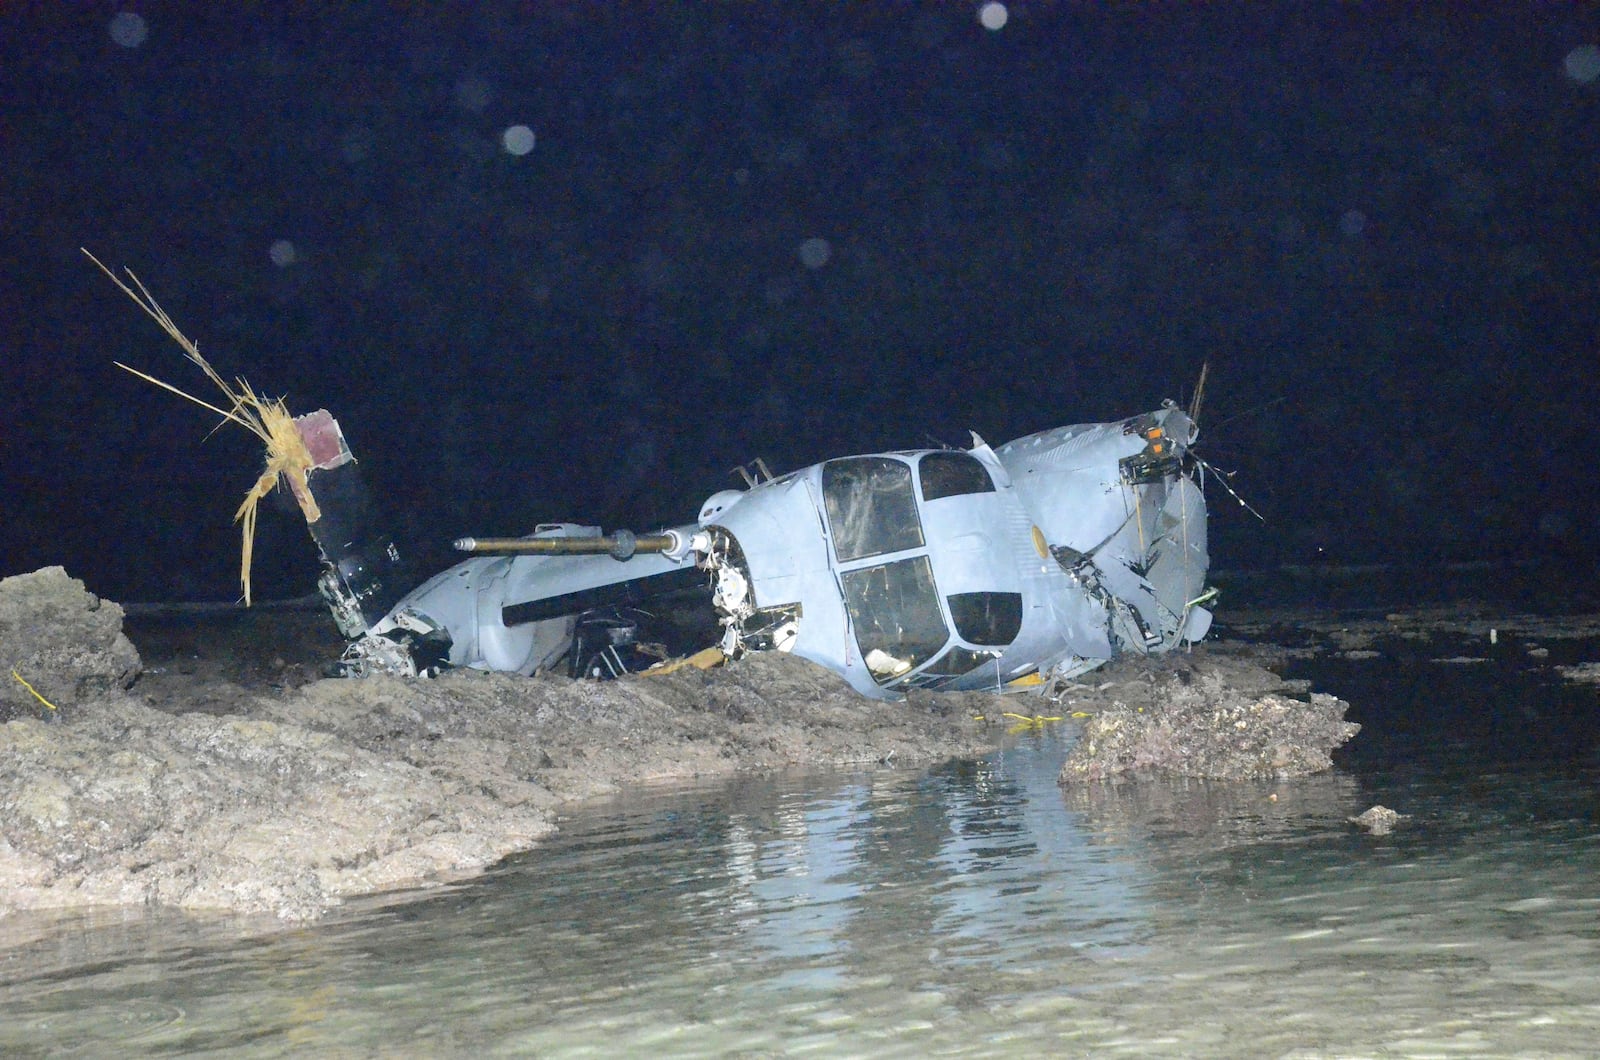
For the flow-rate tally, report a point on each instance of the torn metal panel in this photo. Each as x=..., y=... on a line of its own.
x=364, y=573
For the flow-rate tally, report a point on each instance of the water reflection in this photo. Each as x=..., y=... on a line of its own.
x=974, y=909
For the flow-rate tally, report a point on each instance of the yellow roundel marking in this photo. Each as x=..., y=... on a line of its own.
x=1039, y=543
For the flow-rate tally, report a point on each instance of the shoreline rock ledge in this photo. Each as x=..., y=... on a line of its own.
x=219, y=783
x=205, y=793
x=1220, y=719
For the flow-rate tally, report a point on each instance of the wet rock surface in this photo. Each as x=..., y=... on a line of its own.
x=234, y=776
x=1378, y=820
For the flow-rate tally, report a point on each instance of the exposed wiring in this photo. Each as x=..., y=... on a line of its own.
x=1222, y=477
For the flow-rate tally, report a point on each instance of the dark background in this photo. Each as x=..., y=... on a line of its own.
x=1375, y=220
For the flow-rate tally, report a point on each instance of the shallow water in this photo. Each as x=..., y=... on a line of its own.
x=976, y=909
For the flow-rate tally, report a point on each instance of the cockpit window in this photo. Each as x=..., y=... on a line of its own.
x=951, y=474
x=871, y=509
x=895, y=610
x=987, y=618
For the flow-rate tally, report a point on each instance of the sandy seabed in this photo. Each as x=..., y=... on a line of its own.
x=203, y=762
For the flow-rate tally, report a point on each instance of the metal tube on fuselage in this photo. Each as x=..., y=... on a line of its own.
x=620, y=544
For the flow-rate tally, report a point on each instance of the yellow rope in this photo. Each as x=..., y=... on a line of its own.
x=1032, y=719
x=33, y=691
x=1026, y=722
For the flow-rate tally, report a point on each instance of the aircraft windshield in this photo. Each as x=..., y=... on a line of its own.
x=952, y=474
x=895, y=610
x=871, y=509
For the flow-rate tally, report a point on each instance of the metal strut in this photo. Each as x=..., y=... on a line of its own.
x=621, y=544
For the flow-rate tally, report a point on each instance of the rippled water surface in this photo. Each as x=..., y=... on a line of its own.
x=976, y=909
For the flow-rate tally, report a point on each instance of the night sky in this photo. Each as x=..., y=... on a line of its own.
x=578, y=260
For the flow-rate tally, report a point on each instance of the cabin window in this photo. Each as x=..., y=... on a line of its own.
x=895, y=610
x=871, y=509
x=953, y=474
x=987, y=618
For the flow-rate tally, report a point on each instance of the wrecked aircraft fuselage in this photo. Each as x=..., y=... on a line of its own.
x=983, y=568
x=962, y=569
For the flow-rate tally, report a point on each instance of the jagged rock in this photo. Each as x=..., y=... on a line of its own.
x=1206, y=722
x=62, y=640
